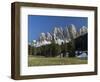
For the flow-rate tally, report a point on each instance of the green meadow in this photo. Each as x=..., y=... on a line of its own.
x=45, y=61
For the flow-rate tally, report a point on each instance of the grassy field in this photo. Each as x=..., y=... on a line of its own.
x=43, y=61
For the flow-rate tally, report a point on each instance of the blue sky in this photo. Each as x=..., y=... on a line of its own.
x=38, y=24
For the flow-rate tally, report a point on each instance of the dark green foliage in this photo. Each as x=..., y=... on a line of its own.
x=53, y=50
x=50, y=50
x=81, y=43
x=30, y=50
x=71, y=49
x=63, y=49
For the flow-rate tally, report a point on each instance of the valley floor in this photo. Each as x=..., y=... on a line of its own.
x=45, y=61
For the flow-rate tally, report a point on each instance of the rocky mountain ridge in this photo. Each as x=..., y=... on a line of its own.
x=60, y=35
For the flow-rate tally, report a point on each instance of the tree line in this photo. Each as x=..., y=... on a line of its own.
x=53, y=49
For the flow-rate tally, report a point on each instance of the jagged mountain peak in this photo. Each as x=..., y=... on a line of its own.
x=49, y=36
x=42, y=36
x=59, y=35
x=83, y=30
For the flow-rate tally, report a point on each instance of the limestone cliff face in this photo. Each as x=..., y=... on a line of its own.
x=59, y=35
x=83, y=30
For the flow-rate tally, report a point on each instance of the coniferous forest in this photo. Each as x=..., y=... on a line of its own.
x=67, y=49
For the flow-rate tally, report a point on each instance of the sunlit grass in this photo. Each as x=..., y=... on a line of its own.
x=44, y=61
